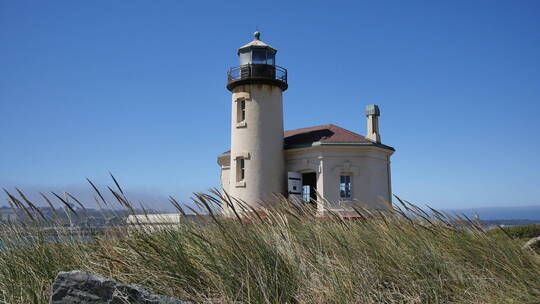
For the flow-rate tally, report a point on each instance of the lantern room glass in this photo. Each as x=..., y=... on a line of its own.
x=270, y=58
x=245, y=57
x=257, y=56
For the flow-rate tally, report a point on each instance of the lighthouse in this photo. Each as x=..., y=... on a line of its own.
x=257, y=164
x=324, y=166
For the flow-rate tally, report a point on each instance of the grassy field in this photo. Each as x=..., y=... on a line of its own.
x=284, y=255
x=519, y=232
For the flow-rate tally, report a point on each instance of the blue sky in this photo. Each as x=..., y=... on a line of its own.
x=138, y=88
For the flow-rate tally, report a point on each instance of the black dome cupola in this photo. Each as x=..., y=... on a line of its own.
x=257, y=66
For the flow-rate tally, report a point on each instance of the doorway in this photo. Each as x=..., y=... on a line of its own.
x=309, y=187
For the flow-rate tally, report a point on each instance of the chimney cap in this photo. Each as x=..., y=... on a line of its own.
x=372, y=110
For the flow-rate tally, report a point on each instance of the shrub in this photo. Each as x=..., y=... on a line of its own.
x=519, y=232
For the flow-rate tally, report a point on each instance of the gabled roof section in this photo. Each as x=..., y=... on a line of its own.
x=323, y=133
x=326, y=135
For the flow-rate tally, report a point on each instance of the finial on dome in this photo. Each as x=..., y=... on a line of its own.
x=257, y=35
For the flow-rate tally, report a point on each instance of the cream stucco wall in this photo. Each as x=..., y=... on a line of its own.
x=259, y=140
x=369, y=167
x=307, y=160
x=224, y=162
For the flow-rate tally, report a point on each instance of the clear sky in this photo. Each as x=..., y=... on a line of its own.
x=138, y=88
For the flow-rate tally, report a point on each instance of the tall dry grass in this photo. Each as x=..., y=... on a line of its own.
x=285, y=254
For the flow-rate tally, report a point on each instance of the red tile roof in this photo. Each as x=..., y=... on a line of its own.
x=325, y=134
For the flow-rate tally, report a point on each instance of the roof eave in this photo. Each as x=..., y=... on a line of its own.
x=346, y=144
x=331, y=144
x=254, y=45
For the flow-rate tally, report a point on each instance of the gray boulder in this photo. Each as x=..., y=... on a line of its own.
x=86, y=288
x=532, y=243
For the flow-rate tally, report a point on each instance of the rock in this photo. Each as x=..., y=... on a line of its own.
x=532, y=243
x=86, y=288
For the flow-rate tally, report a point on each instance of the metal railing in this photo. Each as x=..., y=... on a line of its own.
x=260, y=71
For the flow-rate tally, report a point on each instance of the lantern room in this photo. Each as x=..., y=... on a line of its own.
x=257, y=52
x=257, y=66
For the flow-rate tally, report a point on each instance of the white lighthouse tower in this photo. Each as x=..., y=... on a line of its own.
x=257, y=165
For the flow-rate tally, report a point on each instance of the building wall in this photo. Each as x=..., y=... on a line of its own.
x=369, y=168
x=224, y=162
x=305, y=161
x=260, y=141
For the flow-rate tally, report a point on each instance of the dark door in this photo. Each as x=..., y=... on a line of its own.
x=309, y=186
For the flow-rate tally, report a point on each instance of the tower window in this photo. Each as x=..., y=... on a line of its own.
x=345, y=186
x=241, y=110
x=240, y=169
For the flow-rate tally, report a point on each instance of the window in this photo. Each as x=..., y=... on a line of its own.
x=262, y=56
x=270, y=59
x=240, y=169
x=345, y=186
x=240, y=110
x=259, y=56
x=245, y=57
x=306, y=193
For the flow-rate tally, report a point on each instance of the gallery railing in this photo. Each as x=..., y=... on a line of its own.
x=257, y=71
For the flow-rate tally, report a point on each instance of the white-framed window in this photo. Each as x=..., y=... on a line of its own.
x=240, y=169
x=345, y=186
x=241, y=110
x=306, y=193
